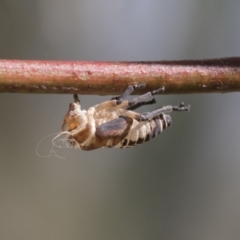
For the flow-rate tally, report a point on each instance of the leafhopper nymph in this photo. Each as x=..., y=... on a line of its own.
x=114, y=123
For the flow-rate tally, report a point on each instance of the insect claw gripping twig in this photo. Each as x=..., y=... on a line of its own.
x=162, y=89
x=111, y=125
x=139, y=85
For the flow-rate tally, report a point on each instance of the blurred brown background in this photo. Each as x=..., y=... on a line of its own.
x=185, y=184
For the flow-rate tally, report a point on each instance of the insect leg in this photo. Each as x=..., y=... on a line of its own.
x=181, y=107
x=128, y=91
x=149, y=115
x=137, y=105
x=166, y=109
x=139, y=101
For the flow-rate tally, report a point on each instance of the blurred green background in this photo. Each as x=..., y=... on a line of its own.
x=185, y=184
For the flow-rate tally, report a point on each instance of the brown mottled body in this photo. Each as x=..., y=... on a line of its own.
x=114, y=124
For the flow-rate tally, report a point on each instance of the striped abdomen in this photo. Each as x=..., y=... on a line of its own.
x=141, y=132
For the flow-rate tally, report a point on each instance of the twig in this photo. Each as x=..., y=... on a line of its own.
x=108, y=78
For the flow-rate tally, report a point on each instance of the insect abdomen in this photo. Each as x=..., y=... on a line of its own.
x=144, y=131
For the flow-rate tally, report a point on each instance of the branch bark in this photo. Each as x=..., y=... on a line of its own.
x=110, y=78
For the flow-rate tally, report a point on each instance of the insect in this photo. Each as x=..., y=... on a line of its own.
x=114, y=123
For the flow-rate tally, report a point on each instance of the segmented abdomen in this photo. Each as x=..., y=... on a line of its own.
x=143, y=131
